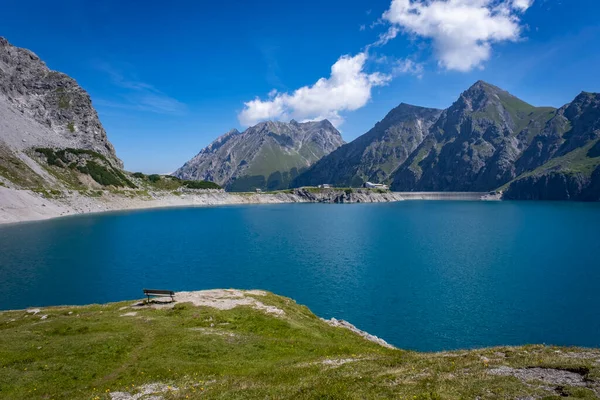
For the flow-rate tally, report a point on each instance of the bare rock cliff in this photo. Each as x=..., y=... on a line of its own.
x=44, y=108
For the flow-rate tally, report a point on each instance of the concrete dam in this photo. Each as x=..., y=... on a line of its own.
x=474, y=196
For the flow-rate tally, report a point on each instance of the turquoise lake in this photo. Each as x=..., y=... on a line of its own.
x=422, y=275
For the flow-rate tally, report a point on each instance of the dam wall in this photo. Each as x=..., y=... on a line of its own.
x=473, y=196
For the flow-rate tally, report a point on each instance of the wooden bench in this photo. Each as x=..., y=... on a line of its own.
x=159, y=293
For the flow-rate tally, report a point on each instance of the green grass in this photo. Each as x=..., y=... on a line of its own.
x=53, y=155
x=536, y=121
x=271, y=158
x=48, y=193
x=242, y=353
x=415, y=164
x=88, y=162
x=170, y=183
x=15, y=170
x=314, y=189
x=105, y=176
x=285, y=191
x=201, y=185
x=524, y=115
x=71, y=127
x=64, y=101
x=517, y=108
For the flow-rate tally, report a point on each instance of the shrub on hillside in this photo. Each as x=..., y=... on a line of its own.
x=201, y=185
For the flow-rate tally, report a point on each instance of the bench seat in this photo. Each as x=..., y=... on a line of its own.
x=159, y=293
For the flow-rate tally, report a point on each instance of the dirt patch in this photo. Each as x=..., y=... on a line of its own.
x=551, y=376
x=584, y=355
x=332, y=362
x=129, y=314
x=336, y=362
x=151, y=391
x=222, y=299
x=209, y=331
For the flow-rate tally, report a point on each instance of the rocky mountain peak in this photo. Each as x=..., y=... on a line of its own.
x=479, y=96
x=408, y=111
x=585, y=101
x=62, y=112
x=376, y=154
x=325, y=123
x=483, y=85
x=583, y=114
x=267, y=155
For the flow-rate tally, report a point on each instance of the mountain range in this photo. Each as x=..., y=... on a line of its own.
x=487, y=140
x=377, y=154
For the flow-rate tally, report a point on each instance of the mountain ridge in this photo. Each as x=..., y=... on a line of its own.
x=266, y=156
x=376, y=154
x=487, y=139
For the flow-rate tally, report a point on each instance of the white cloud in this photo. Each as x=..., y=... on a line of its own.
x=462, y=31
x=522, y=5
x=407, y=66
x=388, y=35
x=348, y=88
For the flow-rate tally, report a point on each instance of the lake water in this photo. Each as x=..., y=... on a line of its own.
x=422, y=275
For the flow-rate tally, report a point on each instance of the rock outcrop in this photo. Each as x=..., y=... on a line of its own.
x=267, y=156
x=556, y=185
x=44, y=108
x=340, y=196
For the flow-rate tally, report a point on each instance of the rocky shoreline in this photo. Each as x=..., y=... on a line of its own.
x=25, y=205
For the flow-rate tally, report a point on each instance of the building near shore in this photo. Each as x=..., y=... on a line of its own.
x=370, y=185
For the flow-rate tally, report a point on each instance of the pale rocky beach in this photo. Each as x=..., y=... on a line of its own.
x=25, y=205
x=17, y=205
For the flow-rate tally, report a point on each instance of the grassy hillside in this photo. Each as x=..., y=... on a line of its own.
x=81, y=170
x=86, y=162
x=13, y=169
x=266, y=347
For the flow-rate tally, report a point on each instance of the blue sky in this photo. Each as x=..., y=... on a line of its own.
x=169, y=77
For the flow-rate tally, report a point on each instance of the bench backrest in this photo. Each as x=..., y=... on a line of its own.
x=154, y=291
